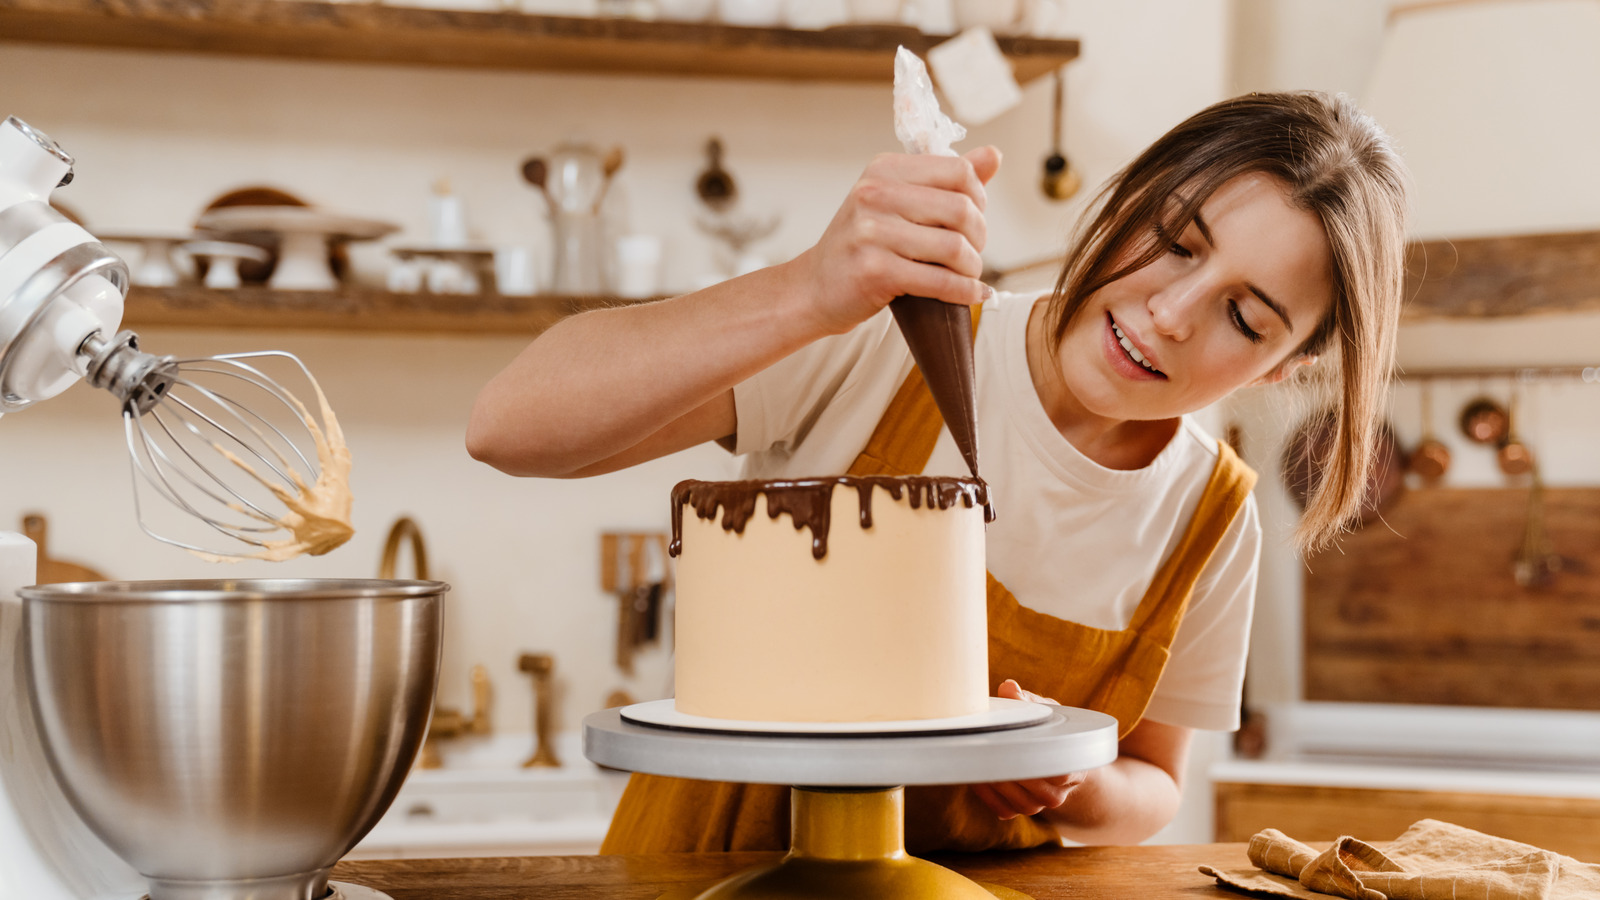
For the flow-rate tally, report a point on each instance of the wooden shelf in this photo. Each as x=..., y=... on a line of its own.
x=1503, y=276
x=351, y=309
x=370, y=32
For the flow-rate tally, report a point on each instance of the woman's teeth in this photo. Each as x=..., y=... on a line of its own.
x=1131, y=350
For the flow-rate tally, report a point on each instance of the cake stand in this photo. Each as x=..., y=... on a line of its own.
x=848, y=793
x=303, y=235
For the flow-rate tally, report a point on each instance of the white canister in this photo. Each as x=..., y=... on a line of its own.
x=685, y=10
x=815, y=14
x=933, y=16
x=875, y=12
x=638, y=266
x=513, y=271
x=751, y=13
x=999, y=16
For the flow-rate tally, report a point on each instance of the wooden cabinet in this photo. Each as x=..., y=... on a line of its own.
x=1569, y=825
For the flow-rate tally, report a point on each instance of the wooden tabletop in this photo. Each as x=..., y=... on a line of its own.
x=1060, y=873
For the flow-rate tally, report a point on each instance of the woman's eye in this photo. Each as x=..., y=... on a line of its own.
x=1250, y=334
x=1177, y=249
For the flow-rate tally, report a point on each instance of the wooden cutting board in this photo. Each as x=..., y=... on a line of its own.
x=54, y=571
x=1423, y=607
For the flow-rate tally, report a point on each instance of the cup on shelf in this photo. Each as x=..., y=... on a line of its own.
x=999, y=16
x=404, y=276
x=875, y=12
x=450, y=276
x=638, y=266
x=685, y=10
x=751, y=13
x=933, y=16
x=579, y=8
x=814, y=15
x=513, y=271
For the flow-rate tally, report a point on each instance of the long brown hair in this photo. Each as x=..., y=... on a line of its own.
x=1335, y=162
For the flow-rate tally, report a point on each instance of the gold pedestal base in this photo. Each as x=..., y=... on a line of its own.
x=850, y=845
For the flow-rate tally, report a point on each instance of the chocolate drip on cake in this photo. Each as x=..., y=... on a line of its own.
x=809, y=501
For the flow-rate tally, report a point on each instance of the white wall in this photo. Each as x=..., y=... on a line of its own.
x=159, y=134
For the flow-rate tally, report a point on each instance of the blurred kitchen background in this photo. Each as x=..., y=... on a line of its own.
x=1491, y=102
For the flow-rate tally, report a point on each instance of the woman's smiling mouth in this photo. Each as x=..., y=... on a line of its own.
x=1131, y=352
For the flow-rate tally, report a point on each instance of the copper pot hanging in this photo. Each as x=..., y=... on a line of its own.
x=1485, y=421
x=1514, y=457
x=1431, y=458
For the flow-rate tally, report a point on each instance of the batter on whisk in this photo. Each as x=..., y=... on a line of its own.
x=318, y=517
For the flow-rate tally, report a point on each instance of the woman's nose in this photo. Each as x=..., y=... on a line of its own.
x=1172, y=308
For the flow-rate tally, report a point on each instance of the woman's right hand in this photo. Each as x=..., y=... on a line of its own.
x=912, y=224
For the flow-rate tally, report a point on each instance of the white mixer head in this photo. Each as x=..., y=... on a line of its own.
x=58, y=285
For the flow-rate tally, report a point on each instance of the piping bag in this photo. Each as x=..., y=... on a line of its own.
x=939, y=333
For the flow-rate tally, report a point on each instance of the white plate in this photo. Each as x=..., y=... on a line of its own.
x=1001, y=714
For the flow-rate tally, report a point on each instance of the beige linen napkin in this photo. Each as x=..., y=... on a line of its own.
x=1432, y=861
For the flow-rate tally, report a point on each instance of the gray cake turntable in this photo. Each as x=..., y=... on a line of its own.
x=848, y=792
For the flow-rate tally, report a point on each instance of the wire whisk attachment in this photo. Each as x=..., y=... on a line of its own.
x=226, y=440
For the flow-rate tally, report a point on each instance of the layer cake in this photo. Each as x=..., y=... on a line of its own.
x=844, y=599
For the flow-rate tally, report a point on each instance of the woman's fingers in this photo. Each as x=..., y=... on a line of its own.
x=938, y=211
x=997, y=804
x=1026, y=798
x=962, y=174
x=985, y=162
x=1010, y=690
x=929, y=246
x=1019, y=798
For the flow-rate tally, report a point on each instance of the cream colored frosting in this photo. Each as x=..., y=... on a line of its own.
x=318, y=516
x=889, y=625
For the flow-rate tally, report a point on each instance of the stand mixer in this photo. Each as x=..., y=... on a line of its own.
x=223, y=440
x=189, y=740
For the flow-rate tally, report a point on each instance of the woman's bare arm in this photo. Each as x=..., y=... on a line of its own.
x=615, y=387
x=1134, y=797
x=1123, y=803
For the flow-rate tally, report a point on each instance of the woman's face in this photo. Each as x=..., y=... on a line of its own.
x=1235, y=292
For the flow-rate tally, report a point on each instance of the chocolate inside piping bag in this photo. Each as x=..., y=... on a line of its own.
x=940, y=336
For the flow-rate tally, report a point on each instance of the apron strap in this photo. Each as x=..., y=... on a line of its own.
x=1225, y=494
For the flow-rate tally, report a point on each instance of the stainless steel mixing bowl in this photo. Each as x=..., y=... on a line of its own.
x=231, y=740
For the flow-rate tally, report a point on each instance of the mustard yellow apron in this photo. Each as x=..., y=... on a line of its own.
x=1114, y=672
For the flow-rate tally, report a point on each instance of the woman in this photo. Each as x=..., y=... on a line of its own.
x=1255, y=237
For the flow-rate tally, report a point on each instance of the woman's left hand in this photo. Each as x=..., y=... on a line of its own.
x=1009, y=799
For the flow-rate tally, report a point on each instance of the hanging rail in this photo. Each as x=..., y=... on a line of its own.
x=1586, y=374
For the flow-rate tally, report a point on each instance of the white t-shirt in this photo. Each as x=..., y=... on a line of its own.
x=1072, y=538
